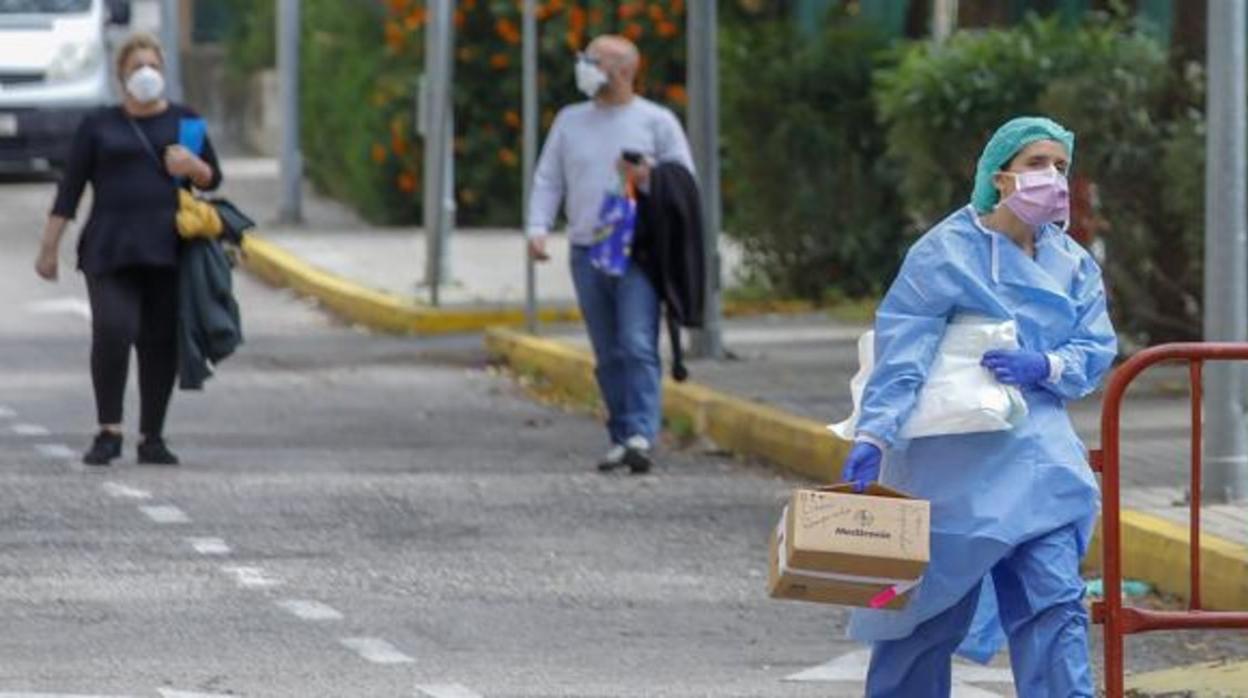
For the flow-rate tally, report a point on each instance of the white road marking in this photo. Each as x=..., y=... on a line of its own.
x=120, y=491
x=56, y=451
x=852, y=668
x=251, y=577
x=209, y=546
x=30, y=430
x=166, y=514
x=28, y=694
x=7, y=412
x=54, y=306
x=376, y=650
x=447, y=690
x=310, y=610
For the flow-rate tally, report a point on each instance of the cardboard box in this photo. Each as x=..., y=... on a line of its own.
x=833, y=546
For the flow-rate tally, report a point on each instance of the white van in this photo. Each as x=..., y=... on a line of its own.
x=54, y=68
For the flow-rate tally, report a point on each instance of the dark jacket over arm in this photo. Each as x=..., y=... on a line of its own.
x=209, y=327
x=669, y=247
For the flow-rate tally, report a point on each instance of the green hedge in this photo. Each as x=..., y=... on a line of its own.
x=811, y=198
x=1137, y=121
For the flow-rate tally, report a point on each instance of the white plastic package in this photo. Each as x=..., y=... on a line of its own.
x=959, y=396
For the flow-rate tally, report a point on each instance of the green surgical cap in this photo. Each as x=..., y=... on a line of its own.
x=1012, y=137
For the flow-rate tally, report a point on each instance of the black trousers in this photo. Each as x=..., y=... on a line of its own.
x=136, y=307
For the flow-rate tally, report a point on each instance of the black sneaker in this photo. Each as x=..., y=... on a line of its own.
x=614, y=458
x=637, y=455
x=153, y=451
x=104, y=449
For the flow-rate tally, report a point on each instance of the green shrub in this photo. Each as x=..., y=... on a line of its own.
x=1137, y=122
x=812, y=199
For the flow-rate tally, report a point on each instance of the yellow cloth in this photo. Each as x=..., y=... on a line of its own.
x=196, y=218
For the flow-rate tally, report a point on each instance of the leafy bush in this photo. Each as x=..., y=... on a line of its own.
x=813, y=202
x=359, y=70
x=1137, y=121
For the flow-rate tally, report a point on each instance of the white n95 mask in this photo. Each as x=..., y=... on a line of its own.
x=146, y=84
x=590, y=79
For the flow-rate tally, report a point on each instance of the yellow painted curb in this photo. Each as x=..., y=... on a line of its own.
x=1206, y=680
x=1154, y=550
x=376, y=309
x=801, y=445
x=389, y=313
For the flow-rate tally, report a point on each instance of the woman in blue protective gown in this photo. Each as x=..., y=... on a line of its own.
x=1012, y=511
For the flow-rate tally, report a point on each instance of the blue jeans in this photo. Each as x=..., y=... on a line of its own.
x=622, y=315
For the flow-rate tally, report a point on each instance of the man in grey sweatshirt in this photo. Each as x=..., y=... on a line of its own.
x=581, y=162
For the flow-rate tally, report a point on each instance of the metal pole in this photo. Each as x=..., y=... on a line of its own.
x=1226, y=225
x=171, y=37
x=529, y=154
x=703, y=119
x=438, y=47
x=290, y=210
x=944, y=19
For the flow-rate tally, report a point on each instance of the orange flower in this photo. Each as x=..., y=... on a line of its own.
x=656, y=13
x=630, y=10
x=398, y=7
x=596, y=17
x=574, y=40
x=676, y=94
x=379, y=153
x=634, y=32
x=459, y=19
x=507, y=31
x=398, y=144
x=507, y=156
x=394, y=36
x=678, y=7
x=469, y=4
x=511, y=118
x=576, y=20
x=668, y=30
x=555, y=6
x=500, y=61
x=415, y=19
x=406, y=182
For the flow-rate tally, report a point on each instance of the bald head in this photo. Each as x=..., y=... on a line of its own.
x=619, y=59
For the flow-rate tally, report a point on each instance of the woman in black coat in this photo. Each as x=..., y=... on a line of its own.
x=128, y=249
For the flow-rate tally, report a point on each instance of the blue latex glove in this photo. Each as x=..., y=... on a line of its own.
x=1017, y=366
x=862, y=465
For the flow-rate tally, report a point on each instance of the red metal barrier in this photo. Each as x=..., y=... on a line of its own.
x=1118, y=620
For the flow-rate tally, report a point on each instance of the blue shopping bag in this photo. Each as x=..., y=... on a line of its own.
x=613, y=235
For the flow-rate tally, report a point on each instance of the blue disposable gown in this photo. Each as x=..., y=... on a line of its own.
x=989, y=491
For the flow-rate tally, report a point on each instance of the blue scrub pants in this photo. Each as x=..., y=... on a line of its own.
x=1039, y=596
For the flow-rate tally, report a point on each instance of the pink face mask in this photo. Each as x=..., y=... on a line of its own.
x=1040, y=196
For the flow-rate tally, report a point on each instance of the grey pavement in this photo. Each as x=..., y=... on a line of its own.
x=801, y=363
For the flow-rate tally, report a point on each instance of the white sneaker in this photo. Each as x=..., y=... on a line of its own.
x=637, y=455
x=613, y=458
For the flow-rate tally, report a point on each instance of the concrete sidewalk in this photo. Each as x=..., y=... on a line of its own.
x=787, y=375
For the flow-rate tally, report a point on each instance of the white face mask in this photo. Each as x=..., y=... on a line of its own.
x=590, y=79
x=146, y=84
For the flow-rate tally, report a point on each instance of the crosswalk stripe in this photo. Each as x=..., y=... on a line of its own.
x=166, y=514
x=120, y=491
x=310, y=610
x=376, y=650
x=447, y=690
